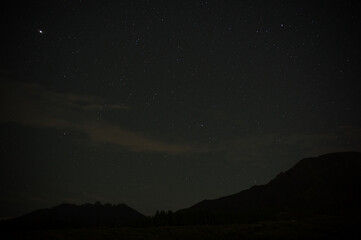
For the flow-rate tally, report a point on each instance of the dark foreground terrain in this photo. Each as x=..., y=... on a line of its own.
x=315, y=227
x=318, y=198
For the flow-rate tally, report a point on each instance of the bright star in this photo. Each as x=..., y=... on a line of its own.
x=40, y=31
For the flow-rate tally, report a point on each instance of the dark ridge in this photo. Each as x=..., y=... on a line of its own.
x=328, y=184
x=69, y=215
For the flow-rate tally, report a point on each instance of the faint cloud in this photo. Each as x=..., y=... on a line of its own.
x=131, y=140
x=34, y=105
x=98, y=107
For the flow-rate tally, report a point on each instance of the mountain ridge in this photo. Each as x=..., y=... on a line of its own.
x=71, y=215
x=327, y=184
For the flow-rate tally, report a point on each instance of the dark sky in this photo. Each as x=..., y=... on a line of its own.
x=161, y=104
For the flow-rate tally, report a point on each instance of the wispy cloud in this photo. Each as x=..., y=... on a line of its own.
x=34, y=105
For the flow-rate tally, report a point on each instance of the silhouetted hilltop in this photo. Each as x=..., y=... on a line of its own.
x=328, y=184
x=69, y=215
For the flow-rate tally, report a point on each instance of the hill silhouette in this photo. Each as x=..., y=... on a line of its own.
x=69, y=215
x=328, y=184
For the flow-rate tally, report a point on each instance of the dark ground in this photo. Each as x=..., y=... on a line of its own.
x=315, y=227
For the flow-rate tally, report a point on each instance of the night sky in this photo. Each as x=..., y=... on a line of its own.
x=161, y=104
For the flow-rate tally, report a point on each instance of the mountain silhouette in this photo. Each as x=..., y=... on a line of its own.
x=69, y=215
x=328, y=184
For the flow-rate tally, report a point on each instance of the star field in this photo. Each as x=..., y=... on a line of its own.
x=161, y=104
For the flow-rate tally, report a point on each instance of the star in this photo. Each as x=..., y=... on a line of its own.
x=40, y=31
